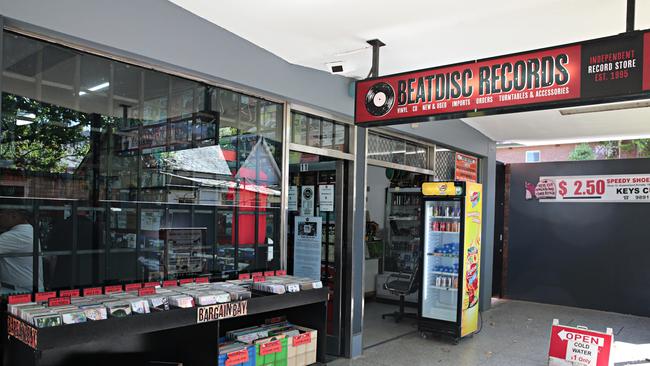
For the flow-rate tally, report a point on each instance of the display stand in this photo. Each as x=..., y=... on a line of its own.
x=171, y=336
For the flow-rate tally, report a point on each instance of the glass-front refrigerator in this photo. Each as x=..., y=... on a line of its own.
x=451, y=242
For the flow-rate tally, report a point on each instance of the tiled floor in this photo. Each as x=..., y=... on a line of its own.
x=514, y=333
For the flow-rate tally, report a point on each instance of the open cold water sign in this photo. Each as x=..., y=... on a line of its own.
x=579, y=346
x=221, y=311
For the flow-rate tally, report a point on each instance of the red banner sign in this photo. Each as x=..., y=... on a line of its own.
x=237, y=357
x=93, y=291
x=607, y=68
x=646, y=63
x=257, y=274
x=132, y=287
x=466, y=168
x=301, y=339
x=69, y=293
x=257, y=279
x=170, y=283
x=112, y=289
x=151, y=284
x=270, y=347
x=269, y=273
x=58, y=301
x=19, y=299
x=146, y=291
x=202, y=280
x=580, y=346
x=22, y=332
x=281, y=272
x=244, y=276
x=44, y=296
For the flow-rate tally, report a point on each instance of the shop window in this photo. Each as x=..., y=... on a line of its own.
x=319, y=132
x=533, y=156
x=128, y=174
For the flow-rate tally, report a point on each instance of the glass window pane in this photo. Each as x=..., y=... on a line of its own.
x=313, y=132
x=327, y=134
x=299, y=129
x=133, y=174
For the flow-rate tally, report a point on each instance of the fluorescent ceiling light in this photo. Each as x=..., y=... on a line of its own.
x=99, y=87
x=82, y=93
x=23, y=122
x=606, y=107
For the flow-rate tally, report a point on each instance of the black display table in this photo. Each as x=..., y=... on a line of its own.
x=172, y=336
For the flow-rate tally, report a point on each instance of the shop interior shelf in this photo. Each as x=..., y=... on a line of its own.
x=403, y=218
x=447, y=217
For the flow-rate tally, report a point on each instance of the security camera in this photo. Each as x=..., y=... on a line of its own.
x=335, y=67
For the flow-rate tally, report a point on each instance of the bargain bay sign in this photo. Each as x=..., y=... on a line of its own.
x=591, y=72
x=216, y=312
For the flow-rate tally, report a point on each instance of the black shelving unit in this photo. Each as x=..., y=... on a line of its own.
x=172, y=336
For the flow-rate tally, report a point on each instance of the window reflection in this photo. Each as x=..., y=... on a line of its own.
x=127, y=174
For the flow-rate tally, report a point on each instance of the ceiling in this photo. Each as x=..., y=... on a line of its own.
x=427, y=33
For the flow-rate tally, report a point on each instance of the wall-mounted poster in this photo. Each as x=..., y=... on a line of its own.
x=292, y=202
x=326, y=197
x=307, y=201
x=466, y=168
x=307, y=247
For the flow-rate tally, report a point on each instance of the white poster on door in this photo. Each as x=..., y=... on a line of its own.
x=292, y=204
x=326, y=197
x=308, y=234
x=307, y=201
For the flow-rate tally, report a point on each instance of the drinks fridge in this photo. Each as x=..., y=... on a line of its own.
x=450, y=260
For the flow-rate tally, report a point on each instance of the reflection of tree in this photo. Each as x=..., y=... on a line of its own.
x=55, y=137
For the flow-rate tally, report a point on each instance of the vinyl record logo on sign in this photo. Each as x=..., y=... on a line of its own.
x=380, y=99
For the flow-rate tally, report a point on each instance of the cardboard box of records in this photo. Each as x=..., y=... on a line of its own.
x=278, y=344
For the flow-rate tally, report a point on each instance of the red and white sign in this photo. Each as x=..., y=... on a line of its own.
x=500, y=82
x=601, y=188
x=466, y=168
x=237, y=357
x=270, y=347
x=579, y=346
x=646, y=62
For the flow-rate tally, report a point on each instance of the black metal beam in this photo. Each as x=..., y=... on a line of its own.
x=376, y=44
x=631, y=7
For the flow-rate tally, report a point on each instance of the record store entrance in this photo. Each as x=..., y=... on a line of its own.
x=317, y=230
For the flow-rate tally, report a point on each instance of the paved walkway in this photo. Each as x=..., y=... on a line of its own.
x=515, y=333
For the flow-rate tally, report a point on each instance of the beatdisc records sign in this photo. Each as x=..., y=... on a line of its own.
x=591, y=72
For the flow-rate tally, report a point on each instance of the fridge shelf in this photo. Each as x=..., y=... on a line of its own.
x=445, y=273
x=446, y=217
x=443, y=255
x=444, y=288
x=446, y=232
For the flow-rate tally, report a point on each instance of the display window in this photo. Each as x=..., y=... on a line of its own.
x=113, y=173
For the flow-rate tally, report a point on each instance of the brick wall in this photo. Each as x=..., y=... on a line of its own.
x=510, y=155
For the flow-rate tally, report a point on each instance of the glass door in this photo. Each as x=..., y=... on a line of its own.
x=317, y=190
x=441, y=260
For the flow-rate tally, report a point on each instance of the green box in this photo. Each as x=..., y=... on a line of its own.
x=272, y=359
